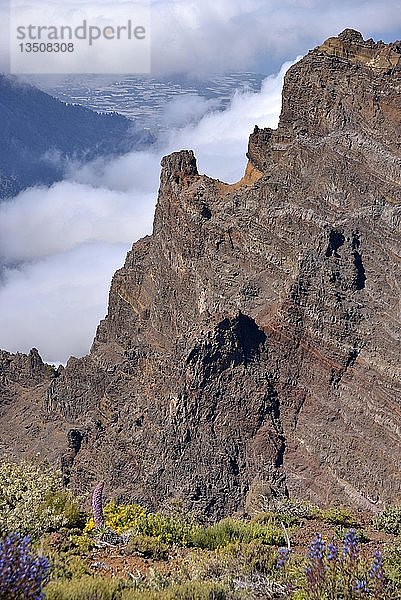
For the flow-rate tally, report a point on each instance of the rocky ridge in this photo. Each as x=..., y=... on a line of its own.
x=251, y=347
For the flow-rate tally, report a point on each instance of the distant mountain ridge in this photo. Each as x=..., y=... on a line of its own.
x=38, y=131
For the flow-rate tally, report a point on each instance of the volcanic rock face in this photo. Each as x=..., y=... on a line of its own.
x=26, y=427
x=252, y=343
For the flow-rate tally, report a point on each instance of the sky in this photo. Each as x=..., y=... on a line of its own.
x=258, y=34
x=202, y=37
x=62, y=245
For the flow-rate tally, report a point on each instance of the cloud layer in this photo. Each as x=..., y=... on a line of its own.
x=55, y=304
x=231, y=35
x=205, y=37
x=62, y=245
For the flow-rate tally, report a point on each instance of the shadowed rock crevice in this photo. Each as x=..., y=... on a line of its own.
x=336, y=240
x=233, y=342
x=360, y=279
x=75, y=439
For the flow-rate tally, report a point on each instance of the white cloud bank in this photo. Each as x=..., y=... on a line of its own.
x=68, y=240
x=42, y=222
x=55, y=304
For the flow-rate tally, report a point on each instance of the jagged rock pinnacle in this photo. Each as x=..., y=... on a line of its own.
x=351, y=35
x=351, y=46
x=178, y=166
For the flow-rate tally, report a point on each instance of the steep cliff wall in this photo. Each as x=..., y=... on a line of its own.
x=252, y=342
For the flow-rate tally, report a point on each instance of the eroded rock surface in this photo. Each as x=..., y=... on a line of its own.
x=252, y=343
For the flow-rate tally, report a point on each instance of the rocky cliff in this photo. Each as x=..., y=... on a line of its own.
x=252, y=343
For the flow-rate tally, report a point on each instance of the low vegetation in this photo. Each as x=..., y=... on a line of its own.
x=50, y=550
x=33, y=501
x=389, y=520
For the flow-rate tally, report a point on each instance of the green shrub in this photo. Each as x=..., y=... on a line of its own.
x=336, y=516
x=64, y=552
x=392, y=564
x=194, y=590
x=231, y=530
x=33, y=501
x=167, y=529
x=66, y=540
x=147, y=546
x=85, y=588
x=83, y=544
x=227, y=563
x=132, y=517
x=254, y=557
x=61, y=503
x=275, y=518
x=67, y=566
x=389, y=520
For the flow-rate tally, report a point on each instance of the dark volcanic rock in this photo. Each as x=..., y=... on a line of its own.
x=27, y=429
x=252, y=342
x=20, y=369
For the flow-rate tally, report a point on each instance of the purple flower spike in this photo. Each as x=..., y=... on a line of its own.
x=351, y=548
x=97, y=505
x=361, y=586
x=332, y=553
x=317, y=549
x=22, y=573
x=377, y=568
x=283, y=556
